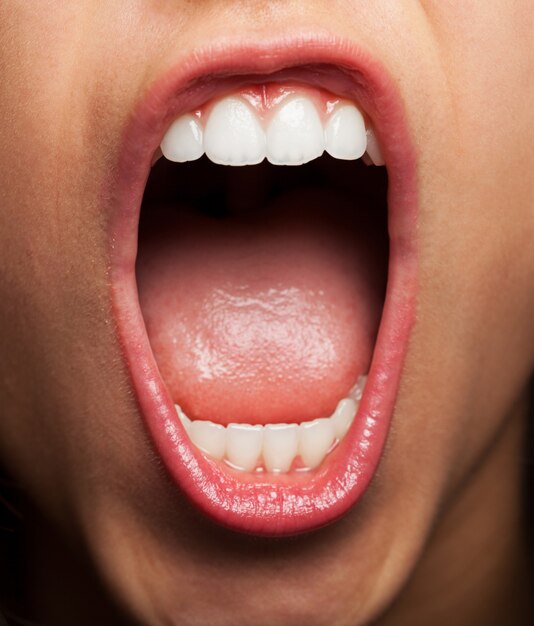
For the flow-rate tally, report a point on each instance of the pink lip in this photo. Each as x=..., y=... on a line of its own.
x=264, y=504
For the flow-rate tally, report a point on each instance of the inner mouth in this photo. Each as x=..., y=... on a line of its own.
x=262, y=290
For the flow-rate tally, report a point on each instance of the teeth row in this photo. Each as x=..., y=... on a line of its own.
x=275, y=447
x=233, y=134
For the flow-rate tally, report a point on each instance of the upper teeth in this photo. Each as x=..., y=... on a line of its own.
x=296, y=133
x=233, y=135
x=275, y=447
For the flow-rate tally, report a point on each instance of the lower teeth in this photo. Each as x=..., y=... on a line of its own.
x=277, y=448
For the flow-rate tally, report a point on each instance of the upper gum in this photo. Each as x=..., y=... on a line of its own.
x=265, y=98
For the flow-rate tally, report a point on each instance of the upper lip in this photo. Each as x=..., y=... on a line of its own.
x=264, y=506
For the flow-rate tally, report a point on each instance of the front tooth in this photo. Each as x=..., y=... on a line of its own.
x=315, y=439
x=346, y=137
x=373, y=148
x=209, y=437
x=280, y=446
x=343, y=416
x=233, y=135
x=243, y=445
x=295, y=134
x=183, y=140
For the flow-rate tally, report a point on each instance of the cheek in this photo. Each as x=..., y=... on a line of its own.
x=56, y=340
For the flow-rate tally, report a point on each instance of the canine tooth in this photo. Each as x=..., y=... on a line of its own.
x=280, y=446
x=343, y=415
x=373, y=148
x=345, y=133
x=243, y=445
x=233, y=135
x=315, y=439
x=295, y=134
x=209, y=437
x=183, y=140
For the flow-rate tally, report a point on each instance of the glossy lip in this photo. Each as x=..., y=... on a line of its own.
x=266, y=504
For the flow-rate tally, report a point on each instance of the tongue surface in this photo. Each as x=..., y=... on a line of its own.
x=268, y=316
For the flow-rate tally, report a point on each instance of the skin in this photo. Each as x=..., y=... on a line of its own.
x=439, y=535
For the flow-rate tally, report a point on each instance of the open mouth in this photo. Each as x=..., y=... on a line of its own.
x=264, y=310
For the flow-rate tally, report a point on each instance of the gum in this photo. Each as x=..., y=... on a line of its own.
x=265, y=98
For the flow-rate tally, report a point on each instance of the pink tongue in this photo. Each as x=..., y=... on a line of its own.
x=266, y=317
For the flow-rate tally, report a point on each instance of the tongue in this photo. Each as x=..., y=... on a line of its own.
x=268, y=316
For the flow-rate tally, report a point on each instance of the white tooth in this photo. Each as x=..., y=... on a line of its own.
x=346, y=137
x=373, y=148
x=295, y=134
x=343, y=415
x=233, y=135
x=280, y=446
x=315, y=439
x=243, y=445
x=183, y=140
x=209, y=437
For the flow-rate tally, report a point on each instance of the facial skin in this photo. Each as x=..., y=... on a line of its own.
x=439, y=532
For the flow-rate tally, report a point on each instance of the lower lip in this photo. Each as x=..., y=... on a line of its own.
x=266, y=504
